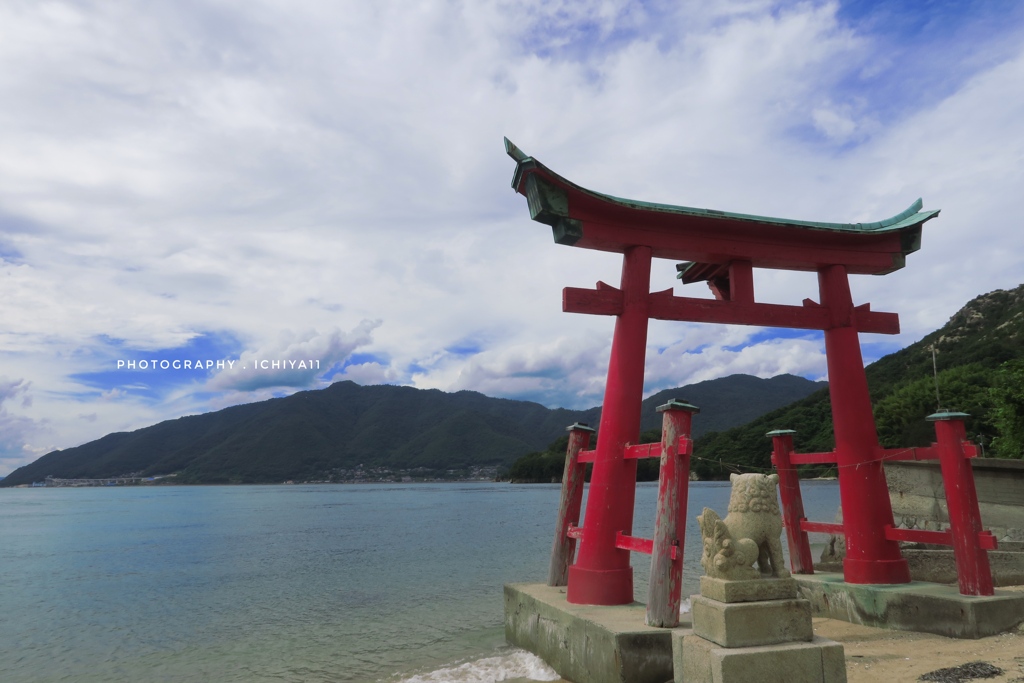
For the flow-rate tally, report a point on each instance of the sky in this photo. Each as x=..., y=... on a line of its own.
x=324, y=185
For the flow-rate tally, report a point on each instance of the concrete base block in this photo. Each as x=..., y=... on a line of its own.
x=701, y=661
x=914, y=606
x=747, y=624
x=753, y=590
x=588, y=643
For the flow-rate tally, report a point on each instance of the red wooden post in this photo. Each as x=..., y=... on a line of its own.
x=800, y=561
x=870, y=556
x=665, y=589
x=602, y=574
x=564, y=547
x=972, y=567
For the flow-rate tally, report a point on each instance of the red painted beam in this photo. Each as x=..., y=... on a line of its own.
x=653, y=450
x=928, y=453
x=821, y=527
x=574, y=531
x=664, y=306
x=971, y=450
x=986, y=541
x=811, y=458
x=639, y=545
x=601, y=301
x=639, y=451
x=703, y=242
x=642, y=450
x=919, y=536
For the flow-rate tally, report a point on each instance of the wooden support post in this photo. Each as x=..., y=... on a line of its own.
x=564, y=547
x=665, y=589
x=972, y=568
x=800, y=561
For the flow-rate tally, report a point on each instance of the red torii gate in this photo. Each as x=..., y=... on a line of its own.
x=722, y=249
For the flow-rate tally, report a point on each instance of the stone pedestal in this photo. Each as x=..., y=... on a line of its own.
x=754, y=630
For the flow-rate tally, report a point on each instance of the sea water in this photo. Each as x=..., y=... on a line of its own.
x=303, y=583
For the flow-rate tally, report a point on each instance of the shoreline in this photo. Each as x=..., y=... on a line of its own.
x=878, y=655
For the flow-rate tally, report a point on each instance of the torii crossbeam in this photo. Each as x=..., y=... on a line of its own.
x=722, y=249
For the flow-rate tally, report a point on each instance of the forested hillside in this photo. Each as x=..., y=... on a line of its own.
x=980, y=361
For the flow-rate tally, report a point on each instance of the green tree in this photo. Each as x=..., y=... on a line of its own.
x=900, y=416
x=1008, y=409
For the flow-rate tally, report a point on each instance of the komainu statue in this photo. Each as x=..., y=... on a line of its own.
x=749, y=533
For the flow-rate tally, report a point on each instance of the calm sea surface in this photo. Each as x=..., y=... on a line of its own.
x=287, y=583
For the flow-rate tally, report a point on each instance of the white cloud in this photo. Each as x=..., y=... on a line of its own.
x=272, y=175
x=15, y=430
x=680, y=364
x=295, y=361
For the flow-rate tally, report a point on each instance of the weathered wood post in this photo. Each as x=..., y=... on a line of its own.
x=972, y=567
x=800, y=561
x=564, y=547
x=665, y=589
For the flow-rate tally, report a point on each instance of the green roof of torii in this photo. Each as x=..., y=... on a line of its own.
x=910, y=217
x=592, y=220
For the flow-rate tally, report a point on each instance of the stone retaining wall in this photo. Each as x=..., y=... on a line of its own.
x=919, y=502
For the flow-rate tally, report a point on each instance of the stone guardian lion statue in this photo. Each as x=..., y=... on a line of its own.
x=749, y=533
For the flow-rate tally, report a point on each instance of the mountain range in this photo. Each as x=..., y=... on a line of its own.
x=348, y=432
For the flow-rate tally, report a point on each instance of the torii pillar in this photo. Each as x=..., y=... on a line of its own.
x=863, y=493
x=602, y=574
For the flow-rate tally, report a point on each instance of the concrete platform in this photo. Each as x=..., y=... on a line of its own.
x=588, y=643
x=914, y=606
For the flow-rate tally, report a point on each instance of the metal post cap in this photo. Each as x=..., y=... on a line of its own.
x=674, y=404
x=940, y=417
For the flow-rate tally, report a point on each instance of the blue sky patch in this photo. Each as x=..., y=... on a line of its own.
x=9, y=253
x=562, y=36
x=774, y=333
x=922, y=52
x=464, y=348
x=153, y=373
x=361, y=358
